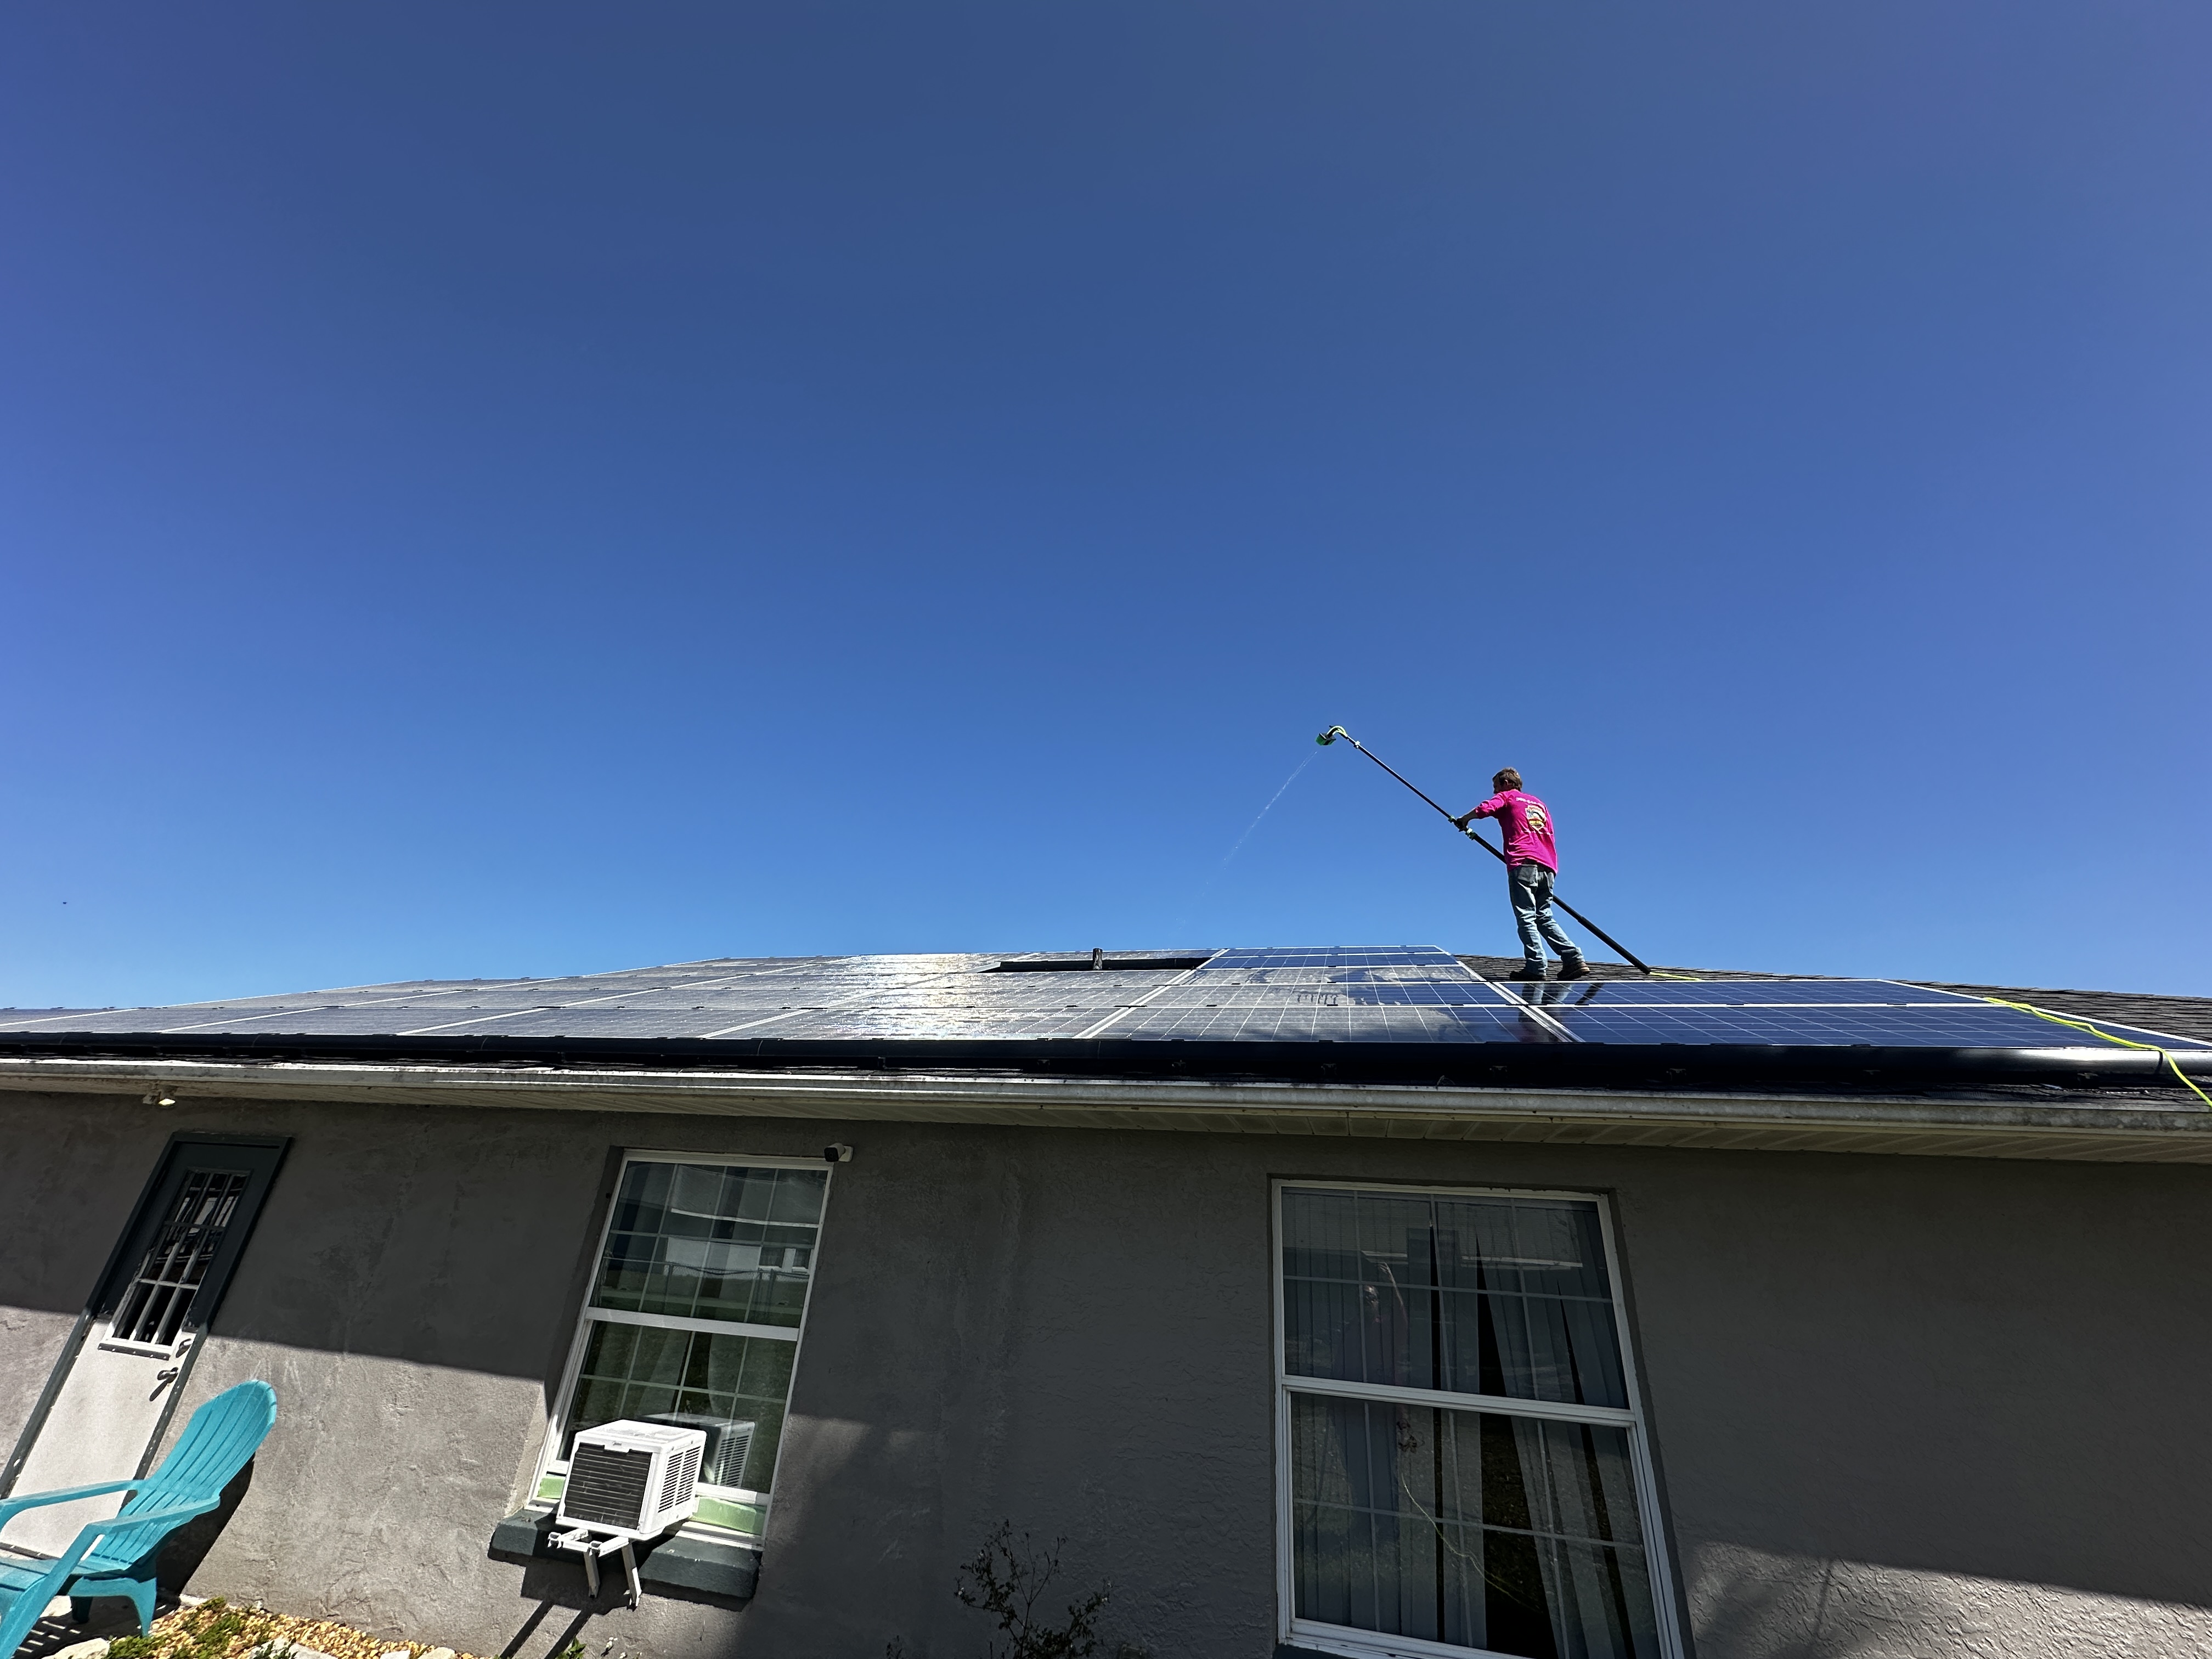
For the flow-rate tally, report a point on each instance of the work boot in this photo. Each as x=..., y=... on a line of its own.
x=1573, y=968
x=1531, y=970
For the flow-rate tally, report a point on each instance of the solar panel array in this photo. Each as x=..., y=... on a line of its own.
x=1395, y=994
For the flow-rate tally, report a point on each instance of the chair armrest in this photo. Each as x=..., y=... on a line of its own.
x=169, y=1517
x=64, y=1567
x=10, y=1507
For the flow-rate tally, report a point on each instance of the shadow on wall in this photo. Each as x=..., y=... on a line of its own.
x=859, y=1504
x=1749, y=1604
x=188, y=1545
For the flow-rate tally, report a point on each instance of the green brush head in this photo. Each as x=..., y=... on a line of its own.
x=1331, y=736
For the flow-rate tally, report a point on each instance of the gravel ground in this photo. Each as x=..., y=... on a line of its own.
x=215, y=1630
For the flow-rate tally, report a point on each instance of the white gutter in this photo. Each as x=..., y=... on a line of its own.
x=1990, y=1126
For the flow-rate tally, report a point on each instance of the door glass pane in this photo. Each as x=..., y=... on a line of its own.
x=1513, y=1534
x=706, y=1241
x=723, y=1384
x=160, y=1293
x=1497, y=1296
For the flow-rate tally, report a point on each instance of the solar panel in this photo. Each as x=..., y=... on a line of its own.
x=931, y=1024
x=1309, y=1023
x=1337, y=955
x=32, y=1019
x=1233, y=991
x=1729, y=993
x=1395, y=996
x=1968, y=1025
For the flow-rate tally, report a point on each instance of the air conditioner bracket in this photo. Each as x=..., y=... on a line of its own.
x=582, y=1540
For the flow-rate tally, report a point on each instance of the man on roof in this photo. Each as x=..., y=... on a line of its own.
x=1532, y=863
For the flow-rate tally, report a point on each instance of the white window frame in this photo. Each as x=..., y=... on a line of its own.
x=550, y=1461
x=1376, y=1644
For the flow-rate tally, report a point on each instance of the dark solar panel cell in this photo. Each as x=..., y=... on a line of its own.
x=1308, y=1022
x=595, y=1023
x=1204, y=993
x=1967, y=1026
x=1349, y=956
x=1304, y=978
x=324, y=1022
x=438, y=990
x=973, y=1025
x=1650, y=993
x=32, y=1019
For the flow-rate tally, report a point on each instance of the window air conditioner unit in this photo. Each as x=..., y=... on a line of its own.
x=629, y=1482
x=635, y=1478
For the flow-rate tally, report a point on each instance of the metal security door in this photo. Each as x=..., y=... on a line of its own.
x=116, y=1384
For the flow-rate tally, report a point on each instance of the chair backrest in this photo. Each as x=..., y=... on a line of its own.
x=223, y=1434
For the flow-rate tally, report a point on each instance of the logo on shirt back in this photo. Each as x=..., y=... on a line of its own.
x=1537, y=821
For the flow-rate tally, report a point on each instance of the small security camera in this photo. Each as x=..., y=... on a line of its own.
x=840, y=1153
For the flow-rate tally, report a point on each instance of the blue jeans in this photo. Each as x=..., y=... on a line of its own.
x=1530, y=888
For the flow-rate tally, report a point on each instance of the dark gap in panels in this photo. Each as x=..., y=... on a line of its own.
x=1085, y=965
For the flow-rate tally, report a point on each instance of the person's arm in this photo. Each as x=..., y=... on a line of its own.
x=1489, y=809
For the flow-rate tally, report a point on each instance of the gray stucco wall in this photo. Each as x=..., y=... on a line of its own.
x=1911, y=1406
x=66, y=1189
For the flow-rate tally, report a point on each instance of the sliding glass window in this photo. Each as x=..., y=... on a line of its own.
x=697, y=1303
x=1463, y=1463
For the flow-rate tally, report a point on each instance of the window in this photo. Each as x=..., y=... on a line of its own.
x=152, y=1312
x=1463, y=1463
x=694, y=1317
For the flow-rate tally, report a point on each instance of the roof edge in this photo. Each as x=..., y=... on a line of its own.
x=1924, y=1126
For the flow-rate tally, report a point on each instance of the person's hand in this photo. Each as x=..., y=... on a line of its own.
x=1460, y=823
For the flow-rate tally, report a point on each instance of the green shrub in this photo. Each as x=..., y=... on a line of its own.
x=1007, y=1578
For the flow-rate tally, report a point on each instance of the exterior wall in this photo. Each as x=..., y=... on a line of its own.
x=1901, y=1406
x=66, y=1190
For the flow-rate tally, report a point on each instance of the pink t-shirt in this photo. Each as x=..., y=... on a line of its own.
x=1527, y=822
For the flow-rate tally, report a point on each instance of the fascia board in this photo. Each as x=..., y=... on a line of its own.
x=1902, y=1125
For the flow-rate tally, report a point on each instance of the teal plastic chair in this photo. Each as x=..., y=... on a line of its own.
x=119, y=1557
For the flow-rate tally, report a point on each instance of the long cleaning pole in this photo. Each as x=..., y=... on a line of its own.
x=1618, y=949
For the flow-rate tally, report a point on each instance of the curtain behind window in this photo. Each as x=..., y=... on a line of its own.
x=1501, y=1531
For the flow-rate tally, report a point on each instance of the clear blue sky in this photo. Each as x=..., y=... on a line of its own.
x=521, y=489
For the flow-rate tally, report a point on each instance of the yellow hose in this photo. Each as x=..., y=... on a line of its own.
x=2187, y=1082
x=2173, y=1065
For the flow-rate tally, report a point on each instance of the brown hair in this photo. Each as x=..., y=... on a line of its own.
x=1508, y=779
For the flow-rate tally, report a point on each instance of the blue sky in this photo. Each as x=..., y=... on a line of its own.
x=505, y=489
